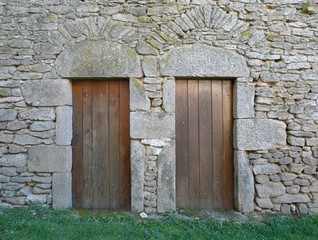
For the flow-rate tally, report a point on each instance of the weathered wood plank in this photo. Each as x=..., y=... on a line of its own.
x=228, y=177
x=124, y=146
x=100, y=145
x=205, y=138
x=193, y=144
x=114, y=149
x=77, y=144
x=87, y=146
x=182, y=141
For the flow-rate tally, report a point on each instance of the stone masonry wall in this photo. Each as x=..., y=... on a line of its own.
x=277, y=38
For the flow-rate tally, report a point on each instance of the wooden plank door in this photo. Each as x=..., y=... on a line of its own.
x=204, y=144
x=101, y=144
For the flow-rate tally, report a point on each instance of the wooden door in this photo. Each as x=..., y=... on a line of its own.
x=101, y=144
x=204, y=144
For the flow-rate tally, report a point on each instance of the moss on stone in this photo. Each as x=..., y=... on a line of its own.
x=50, y=18
x=163, y=36
x=246, y=34
x=144, y=19
x=4, y=91
x=138, y=85
x=308, y=8
x=274, y=37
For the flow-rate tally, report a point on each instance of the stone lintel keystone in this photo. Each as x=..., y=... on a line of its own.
x=51, y=158
x=200, y=60
x=98, y=59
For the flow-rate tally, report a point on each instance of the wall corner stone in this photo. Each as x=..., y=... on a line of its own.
x=167, y=178
x=244, y=183
x=64, y=125
x=62, y=190
x=244, y=94
x=138, y=156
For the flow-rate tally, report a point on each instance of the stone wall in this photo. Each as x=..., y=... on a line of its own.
x=276, y=120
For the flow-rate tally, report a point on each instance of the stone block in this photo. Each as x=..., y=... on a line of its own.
x=50, y=159
x=144, y=48
x=168, y=95
x=152, y=125
x=292, y=198
x=138, y=157
x=266, y=169
x=264, y=203
x=47, y=92
x=6, y=138
x=15, y=200
x=294, y=141
x=259, y=134
x=62, y=190
x=244, y=183
x=150, y=66
x=16, y=125
x=13, y=160
x=244, y=94
x=36, y=199
x=200, y=60
x=22, y=139
x=138, y=97
x=41, y=126
x=270, y=189
x=312, y=142
x=64, y=125
x=96, y=59
x=43, y=114
x=8, y=114
x=166, y=191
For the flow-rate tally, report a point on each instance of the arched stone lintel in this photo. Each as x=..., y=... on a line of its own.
x=98, y=59
x=200, y=60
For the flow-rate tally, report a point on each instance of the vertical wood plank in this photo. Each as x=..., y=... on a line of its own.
x=114, y=150
x=228, y=177
x=182, y=141
x=100, y=145
x=217, y=141
x=205, y=121
x=87, y=146
x=77, y=146
x=124, y=142
x=193, y=144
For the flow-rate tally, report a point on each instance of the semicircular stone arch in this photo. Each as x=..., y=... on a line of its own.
x=200, y=24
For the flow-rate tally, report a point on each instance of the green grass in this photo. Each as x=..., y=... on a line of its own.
x=45, y=223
